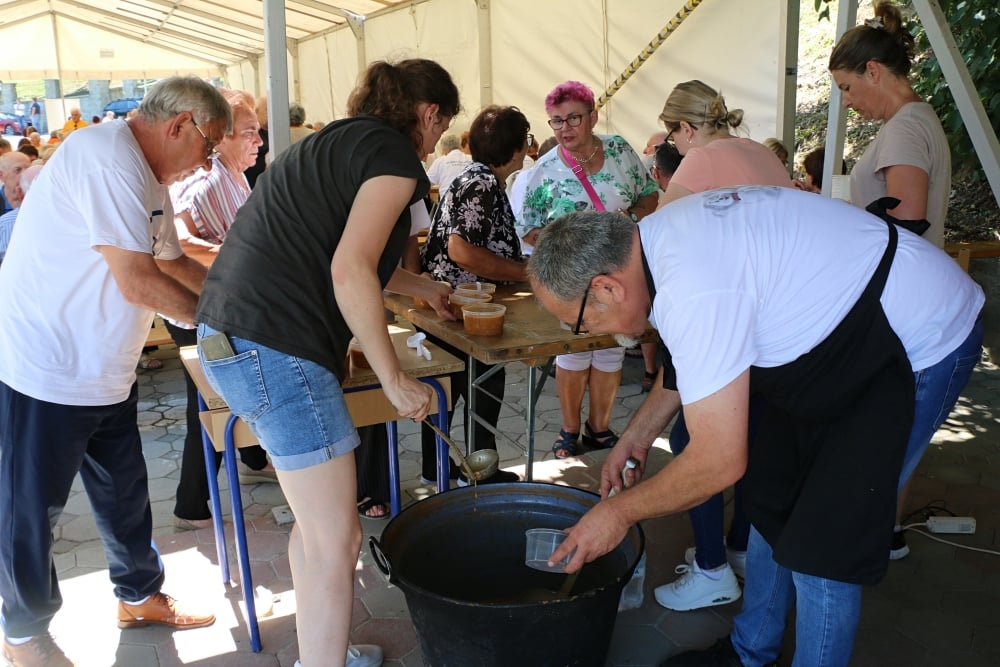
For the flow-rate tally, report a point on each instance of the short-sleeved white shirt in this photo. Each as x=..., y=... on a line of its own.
x=758, y=276
x=67, y=335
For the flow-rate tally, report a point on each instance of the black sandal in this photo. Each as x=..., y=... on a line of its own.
x=367, y=504
x=602, y=440
x=647, y=381
x=565, y=446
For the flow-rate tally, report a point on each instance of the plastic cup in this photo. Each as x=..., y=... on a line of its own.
x=488, y=288
x=484, y=319
x=459, y=299
x=539, y=545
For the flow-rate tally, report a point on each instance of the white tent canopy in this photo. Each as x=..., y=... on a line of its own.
x=498, y=51
x=515, y=51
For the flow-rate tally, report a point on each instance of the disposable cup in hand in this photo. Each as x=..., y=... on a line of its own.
x=539, y=545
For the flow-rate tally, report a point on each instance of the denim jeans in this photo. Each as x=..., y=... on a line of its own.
x=827, y=613
x=707, y=520
x=937, y=390
x=42, y=447
x=294, y=406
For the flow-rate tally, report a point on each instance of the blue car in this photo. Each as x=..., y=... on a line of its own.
x=122, y=106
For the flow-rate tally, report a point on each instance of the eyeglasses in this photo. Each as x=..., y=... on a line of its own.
x=577, y=330
x=573, y=120
x=209, y=144
x=669, y=139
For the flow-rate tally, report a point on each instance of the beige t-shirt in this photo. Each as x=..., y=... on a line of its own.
x=913, y=137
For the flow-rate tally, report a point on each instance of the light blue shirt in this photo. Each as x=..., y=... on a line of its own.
x=6, y=227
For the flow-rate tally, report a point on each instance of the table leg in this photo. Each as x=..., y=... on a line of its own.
x=393, y=438
x=529, y=413
x=208, y=449
x=442, y=423
x=470, y=400
x=240, y=529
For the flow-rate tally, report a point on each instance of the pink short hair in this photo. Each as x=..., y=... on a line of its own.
x=569, y=91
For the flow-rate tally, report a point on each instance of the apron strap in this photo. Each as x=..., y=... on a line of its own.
x=877, y=283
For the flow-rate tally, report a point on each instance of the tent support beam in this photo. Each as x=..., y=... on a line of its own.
x=276, y=63
x=836, y=125
x=788, y=59
x=485, y=25
x=963, y=90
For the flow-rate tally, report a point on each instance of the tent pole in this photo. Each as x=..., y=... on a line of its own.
x=59, y=73
x=276, y=64
x=963, y=90
x=485, y=53
x=788, y=77
x=836, y=124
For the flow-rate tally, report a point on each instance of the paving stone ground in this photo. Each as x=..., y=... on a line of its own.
x=936, y=607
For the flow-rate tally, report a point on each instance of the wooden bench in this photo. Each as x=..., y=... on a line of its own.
x=965, y=252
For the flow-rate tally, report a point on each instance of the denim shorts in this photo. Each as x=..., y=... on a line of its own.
x=294, y=406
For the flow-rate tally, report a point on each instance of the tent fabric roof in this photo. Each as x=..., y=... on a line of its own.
x=129, y=38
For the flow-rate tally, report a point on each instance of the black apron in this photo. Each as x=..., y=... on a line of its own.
x=822, y=476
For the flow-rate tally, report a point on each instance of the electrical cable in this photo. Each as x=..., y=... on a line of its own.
x=914, y=528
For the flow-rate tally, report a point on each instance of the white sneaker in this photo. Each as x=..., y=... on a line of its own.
x=364, y=655
x=695, y=590
x=736, y=559
x=360, y=655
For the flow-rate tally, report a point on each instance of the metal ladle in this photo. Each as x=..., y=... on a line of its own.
x=479, y=465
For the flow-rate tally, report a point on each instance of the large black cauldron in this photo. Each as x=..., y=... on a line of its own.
x=459, y=559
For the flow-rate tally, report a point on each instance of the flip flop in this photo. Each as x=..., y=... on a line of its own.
x=367, y=504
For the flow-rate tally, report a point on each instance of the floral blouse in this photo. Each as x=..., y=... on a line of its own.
x=475, y=207
x=553, y=189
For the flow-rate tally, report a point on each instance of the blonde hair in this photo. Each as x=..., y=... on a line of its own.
x=698, y=104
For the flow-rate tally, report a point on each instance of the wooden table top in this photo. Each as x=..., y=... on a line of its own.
x=530, y=333
x=441, y=363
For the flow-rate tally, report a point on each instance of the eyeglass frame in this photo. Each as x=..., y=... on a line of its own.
x=208, y=142
x=558, y=123
x=583, y=305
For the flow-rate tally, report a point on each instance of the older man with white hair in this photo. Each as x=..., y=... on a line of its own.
x=8, y=219
x=11, y=166
x=93, y=257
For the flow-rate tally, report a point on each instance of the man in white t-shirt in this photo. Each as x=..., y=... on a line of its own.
x=829, y=314
x=446, y=168
x=93, y=257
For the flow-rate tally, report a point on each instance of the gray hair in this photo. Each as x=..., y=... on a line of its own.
x=573, y=249
x=296, y=114
x=177, y=94
x=450, y=142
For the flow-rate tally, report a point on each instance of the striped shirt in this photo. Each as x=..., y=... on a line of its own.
x=6, y=228
x=211, y=198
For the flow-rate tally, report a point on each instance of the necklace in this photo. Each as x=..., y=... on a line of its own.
x=585, y=160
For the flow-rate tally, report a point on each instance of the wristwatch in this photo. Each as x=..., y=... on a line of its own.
x=630, y=213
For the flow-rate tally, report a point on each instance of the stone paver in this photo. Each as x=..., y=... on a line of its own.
x=938, y=606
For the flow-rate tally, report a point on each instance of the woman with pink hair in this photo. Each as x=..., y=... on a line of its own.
x=586, y=172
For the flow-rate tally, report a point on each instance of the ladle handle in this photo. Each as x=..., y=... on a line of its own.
x=451, y=443
x=381, y=561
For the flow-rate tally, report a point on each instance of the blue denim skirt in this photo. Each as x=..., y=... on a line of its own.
x=294, y=406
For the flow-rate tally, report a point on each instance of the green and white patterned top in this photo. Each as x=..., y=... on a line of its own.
x=553, y=190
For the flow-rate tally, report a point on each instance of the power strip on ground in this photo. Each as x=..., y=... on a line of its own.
x=955, y=525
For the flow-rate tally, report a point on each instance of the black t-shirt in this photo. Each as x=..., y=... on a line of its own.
x=271, y=282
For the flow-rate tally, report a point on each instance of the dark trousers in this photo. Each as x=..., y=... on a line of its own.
x=371, y=459
x=192, y=490
x=42, y=447
x=486, y=408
